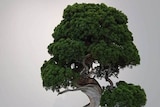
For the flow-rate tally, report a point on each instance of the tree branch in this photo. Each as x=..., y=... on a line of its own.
x=86, y=68
x=77, y=89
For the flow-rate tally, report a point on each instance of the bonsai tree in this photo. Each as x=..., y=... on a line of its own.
x=89, y=35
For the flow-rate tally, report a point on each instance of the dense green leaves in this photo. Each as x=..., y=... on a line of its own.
x=67, y=50
x=102, y=30
x=124, y=95
x=101, y=51
x=55, y=77
x=94, y=29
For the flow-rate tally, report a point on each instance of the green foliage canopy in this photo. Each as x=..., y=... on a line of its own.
x=124, y=95
x=88, y=29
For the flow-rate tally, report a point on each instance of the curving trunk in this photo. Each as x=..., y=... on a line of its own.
x=94, y=94
x=92, y=90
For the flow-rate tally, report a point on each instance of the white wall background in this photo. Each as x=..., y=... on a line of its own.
x=25, y=32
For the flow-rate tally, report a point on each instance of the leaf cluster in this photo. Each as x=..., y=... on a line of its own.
x=66, y=51
x=55, y=77
x=97, y=29
x=124, y=95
